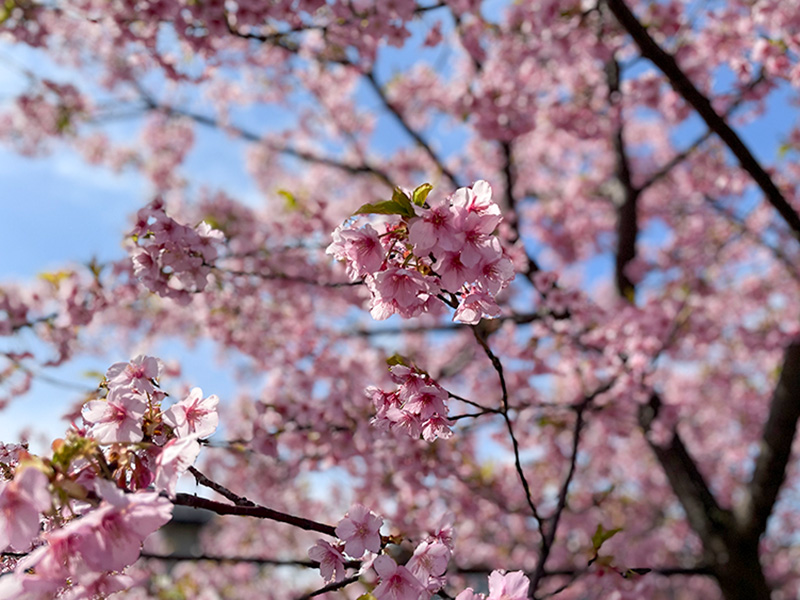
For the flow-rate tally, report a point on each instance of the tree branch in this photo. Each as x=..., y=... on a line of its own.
x=681, y=83
x=332, y=587
x=178, y=557
x=691, y=148
x=255, y=510
x=775, y=448
x=705, y=516
x=370, y=77
x=498, y=367
x=627, y=194
x=250, y=136
x=510, y=178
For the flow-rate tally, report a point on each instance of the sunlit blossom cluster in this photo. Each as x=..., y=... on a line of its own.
x=447, y=250
x=421, y=576
x=171, y=259
x=418, y=406
x=87, y=509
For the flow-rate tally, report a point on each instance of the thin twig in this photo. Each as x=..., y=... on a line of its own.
x=331, y=587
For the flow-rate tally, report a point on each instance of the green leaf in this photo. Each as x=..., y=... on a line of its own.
x=291, y=201
x=420, y=193
x=602, y=535
x=635, y=572
x=400, y=204
x=398, y=359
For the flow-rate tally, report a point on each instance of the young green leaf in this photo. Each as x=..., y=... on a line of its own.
x=602, y=535
x=400, y=204
x=420, y=193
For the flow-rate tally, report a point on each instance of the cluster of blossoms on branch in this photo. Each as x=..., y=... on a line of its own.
x=87, y=509
x=443, y=249
x=171, y=259
x=418, y=406
x=421, y=576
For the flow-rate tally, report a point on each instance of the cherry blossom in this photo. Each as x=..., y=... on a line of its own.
x=117, y=418
x=396, y=582
x=176, y=456
x=330, y=559
x=22, y=501
x=110, y=537
x=359, y=529
x=138, y=374
x=194, y=415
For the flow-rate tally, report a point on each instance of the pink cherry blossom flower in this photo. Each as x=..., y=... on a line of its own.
x=136, y=374
x=437, y=426
x=427, y=401
x=404, y=286
x=429, y=563
x=396, y=582
x=359, y=529
x=454, y=272
x=495, y=274
x=330, y=559
x=110, y=537
x=476, y=305
x=477, y=199
x=41, y=573
x=21, y=502
x=360, y=248
x=401, y=291
x=118, y=418
x=405, y=420
x=435, y=229
x=194, y=415
x=89, y=586
x=479, y=244
x=176, y=456
x=508, y=586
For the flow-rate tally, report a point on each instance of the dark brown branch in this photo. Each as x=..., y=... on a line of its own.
x=370, y=77
x=732, y=557
x=627, y=194
x=705, y=516
x=775, y=448
x=257, y=511
x=510, y=178
x=498, y=367
x=550, y=536
x=681, y=83
x=695, y=145
x=332, y=587
x=178, y=557
x=220, y=489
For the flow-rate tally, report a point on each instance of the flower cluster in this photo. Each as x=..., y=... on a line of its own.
x=502, y=586
x=85, y=554
x=103, y=490
x=171, y=259
x=359, y=532
x=421, y=576
x=418, y=406
x=447, y=246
